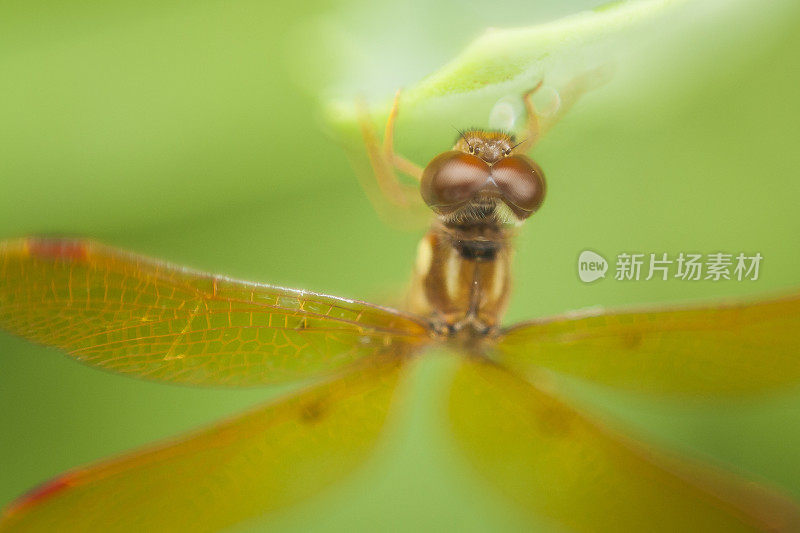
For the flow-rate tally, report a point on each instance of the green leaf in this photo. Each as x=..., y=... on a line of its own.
x=502, y=59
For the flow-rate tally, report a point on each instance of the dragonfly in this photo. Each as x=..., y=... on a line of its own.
x=149, y=319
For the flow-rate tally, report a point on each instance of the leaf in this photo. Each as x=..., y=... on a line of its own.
x=520, y=56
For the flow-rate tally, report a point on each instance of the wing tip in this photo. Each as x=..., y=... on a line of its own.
x=37, y=495
x=56, y=248
x=43, y=247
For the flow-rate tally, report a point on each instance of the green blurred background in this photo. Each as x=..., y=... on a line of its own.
x=193, y=132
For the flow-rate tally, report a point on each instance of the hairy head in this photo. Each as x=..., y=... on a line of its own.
x=481, y=180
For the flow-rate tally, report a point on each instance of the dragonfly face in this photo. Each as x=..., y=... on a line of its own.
x=481, y=182
x=150, y=319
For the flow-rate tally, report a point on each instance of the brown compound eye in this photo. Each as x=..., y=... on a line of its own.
x=451, y=179
x=521, y=181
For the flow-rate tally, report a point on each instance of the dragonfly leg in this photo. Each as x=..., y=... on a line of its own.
x=532, y=130
x=401, y=163
x=538, y=124
x=568, y=95
x=382, y=159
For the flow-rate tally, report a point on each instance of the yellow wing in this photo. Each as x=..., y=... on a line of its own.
x=560, y=465
x=238, y=469
x=133, y=315
x=723, y=349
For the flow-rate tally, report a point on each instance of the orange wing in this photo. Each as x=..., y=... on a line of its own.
x=561, y=465
x=137, y=316
x=265, y=459
x=723, y=349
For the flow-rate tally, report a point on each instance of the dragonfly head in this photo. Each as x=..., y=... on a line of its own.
x=482, y=180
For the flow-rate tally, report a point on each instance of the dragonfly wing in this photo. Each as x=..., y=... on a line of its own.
x=561, y=465
x=724, y=349
x=238, y=469
x=134, y=315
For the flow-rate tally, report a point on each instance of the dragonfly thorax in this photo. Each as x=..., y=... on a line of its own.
x=461, y=279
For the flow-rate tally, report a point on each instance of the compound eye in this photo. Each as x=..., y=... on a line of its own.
x=451, y=179
x=522, y=183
